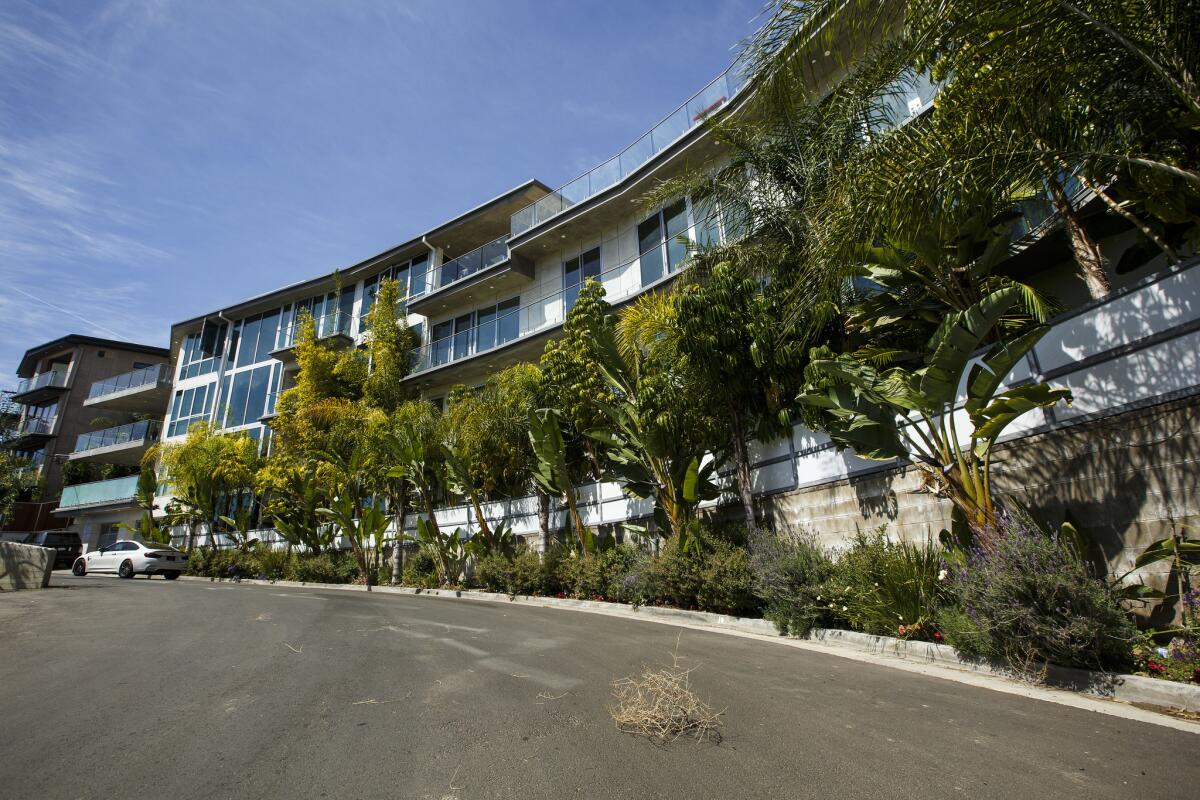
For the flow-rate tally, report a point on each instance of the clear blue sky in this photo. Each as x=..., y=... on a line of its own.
x=160, y=159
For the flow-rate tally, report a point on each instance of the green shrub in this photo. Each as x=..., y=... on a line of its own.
x=1036, y=600
x=327, y=567
x=420, y=571
x=789, y=569
x=493, y=573
x=528, y=574
x=960, y=632
x=886, y=588
x=672, y=578
x=603, y=575
x=726, y=582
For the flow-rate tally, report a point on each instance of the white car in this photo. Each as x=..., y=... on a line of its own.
x=128, y=558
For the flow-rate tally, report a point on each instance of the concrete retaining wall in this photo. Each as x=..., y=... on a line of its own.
x=24, y=566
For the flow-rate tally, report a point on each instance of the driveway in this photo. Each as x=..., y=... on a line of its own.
x=147, y=688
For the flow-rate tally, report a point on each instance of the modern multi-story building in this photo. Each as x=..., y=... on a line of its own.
x=86, y=402
x=489, y=287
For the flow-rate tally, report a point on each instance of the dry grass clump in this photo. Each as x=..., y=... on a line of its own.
x=661, y=705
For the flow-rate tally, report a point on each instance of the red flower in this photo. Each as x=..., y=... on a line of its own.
x=1155, y=667
x=902, y=630
x=937, y=635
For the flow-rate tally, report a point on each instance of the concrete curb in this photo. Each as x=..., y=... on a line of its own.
x=1111, y=686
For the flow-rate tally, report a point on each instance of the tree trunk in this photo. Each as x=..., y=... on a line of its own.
x=580, y=529
x=741, y=459
x=1087, y=253
x=544, y=518
x=481, y=519
x=399, y=516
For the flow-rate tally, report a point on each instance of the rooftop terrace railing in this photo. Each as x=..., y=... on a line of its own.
x=144, y=430
x=134, y=379
x=687, y=116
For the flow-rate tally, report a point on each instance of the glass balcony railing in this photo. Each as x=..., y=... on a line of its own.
x=696, y=110
x=36, y=426
x=147, y=376
x=99, y=492
x=334, y=323
x=489, y=255
x=620, y=282
x=53, y=378
x=133, y=432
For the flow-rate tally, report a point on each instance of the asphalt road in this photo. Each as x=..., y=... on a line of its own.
x=113, y=689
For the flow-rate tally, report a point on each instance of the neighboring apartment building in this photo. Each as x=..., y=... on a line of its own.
x=85, y=401
x=488, y=288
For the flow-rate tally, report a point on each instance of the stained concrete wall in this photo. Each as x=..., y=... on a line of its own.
x=1125, y=481
x=24, y=566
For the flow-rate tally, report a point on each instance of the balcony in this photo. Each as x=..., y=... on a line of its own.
x=535, y=319
x=688, y=116
x=40, y=388
x=97, y=494
x=141, y=390
x=490, y=266
x=333, y=329
x=31, y=433
x=123, y=444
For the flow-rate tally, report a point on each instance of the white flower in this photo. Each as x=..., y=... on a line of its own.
x=843, y=608
x=942, y=575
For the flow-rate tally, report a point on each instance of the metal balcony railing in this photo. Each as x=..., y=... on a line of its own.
x=133, y=432
x=147, y=376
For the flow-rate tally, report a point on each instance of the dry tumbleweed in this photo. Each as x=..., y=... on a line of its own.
x=661, y=705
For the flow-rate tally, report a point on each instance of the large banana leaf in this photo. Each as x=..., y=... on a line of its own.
x=954, y=343
x=991, y=421
x=985, y=377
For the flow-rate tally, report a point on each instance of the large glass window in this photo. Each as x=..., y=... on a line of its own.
x=508, y=318
x=190, y=406
x=441, y=334
x=249, y=340
x=576, y=272
x=659, y=246
x=248, y=396
x=266, y=336
x=201, y=352
x=462, y=335
x=416, y=276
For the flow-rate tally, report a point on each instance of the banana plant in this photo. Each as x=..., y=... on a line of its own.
x=552, y=472
x=298, y=521
x=238, y=527
x=458, y=469
x=646, y=454
x=903, y=413
x=447, y=550
x=362, y=525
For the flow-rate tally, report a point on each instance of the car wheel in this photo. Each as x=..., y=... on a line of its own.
x=170, y=575
x=79, y=567
x=126, y=569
